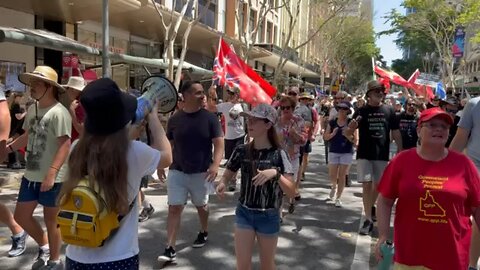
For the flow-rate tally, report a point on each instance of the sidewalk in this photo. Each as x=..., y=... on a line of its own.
x=317, y=236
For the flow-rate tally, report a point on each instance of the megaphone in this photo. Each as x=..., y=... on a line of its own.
x=156, y=89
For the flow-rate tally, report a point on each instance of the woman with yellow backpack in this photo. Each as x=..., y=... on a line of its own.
x=104, y=171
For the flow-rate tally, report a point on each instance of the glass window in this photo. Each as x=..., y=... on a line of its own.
x=208, y=17
x=251, y=20
x=9, y=72
x=261, y=33
x=269, y=32
x=179, y=4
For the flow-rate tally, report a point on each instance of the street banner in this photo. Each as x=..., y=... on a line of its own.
x=231, y=70
x=420, y=90
x=428, y=79
x=458, y=47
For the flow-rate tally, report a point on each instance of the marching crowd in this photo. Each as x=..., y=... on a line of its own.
x=433, y=184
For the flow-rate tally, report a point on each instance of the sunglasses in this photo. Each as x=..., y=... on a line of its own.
x=292, y=94
x=283, y=108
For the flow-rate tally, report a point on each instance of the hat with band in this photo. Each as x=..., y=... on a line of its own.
x=76, y=83
x=42, y=73
x=262, y=111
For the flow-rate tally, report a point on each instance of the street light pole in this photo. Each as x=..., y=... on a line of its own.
x=106, y=66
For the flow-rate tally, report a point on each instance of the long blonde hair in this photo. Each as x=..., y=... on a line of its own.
x=104, y=160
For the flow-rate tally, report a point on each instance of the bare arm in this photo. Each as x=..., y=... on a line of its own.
x=4, y=128
x=159, y=140
x=58, y=160
x=384, y=212
x=287, y=185
x=397, y=136
x=460, y=140
x=19, y=142
x=218, y=148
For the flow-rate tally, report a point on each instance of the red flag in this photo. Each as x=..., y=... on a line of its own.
x=420, y=90
x=391, y=75
x=231, y=70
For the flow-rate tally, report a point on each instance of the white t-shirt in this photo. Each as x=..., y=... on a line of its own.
x=2, y=95
x=142, y=160
x=234, y=123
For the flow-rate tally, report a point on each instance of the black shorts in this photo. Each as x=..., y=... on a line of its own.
x=306, y=149
x=231, y=144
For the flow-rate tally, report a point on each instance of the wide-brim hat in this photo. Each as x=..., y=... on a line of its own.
x=431, y=113
x=344, y=105
x=306, y=95
x=375, y=85
x=42, y=73
x=76, y=83
x=450, y=101
x=108, y=109
x=262, y=111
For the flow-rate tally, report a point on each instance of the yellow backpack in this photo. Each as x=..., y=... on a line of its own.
x=84, y=219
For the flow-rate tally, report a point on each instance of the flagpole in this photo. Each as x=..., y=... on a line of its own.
x=373, y=68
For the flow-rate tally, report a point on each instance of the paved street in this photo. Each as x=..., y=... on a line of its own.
x=316, y=236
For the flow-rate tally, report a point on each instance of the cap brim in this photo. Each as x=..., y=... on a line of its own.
x=443, y=115
x=26, y=78
x=66, y=86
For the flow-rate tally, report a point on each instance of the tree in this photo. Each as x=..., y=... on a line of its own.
x=292, y=8
x=429, y=29
x=171, y=28
x=471, y=16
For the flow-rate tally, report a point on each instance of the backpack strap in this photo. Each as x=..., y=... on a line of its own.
x=130, y=207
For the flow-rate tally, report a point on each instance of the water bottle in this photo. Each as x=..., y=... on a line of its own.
x=387, y=251
x=156, y=88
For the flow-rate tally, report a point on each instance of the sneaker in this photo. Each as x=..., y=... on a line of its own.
x=291, y=208
x=146, y=213
x=42, y=258
x=168, y=256
x=338, y=203
x=374, y=213
x=52, y=265
x=18, y=245
x=201, y=240
x=332, y=194
x=366, y=228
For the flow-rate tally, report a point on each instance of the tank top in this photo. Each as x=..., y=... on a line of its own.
x=339, y=144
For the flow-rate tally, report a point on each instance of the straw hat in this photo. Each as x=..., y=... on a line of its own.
x=43, y=73
x=76, y=83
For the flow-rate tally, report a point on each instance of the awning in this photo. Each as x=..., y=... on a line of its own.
x=272, y=60
x=53, y=41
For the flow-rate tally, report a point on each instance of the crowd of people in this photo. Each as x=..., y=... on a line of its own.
x=408, y=152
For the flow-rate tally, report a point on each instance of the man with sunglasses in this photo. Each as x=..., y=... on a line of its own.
x=234, y=125
x=374, y=121
x=451, y=106
x=408, y=124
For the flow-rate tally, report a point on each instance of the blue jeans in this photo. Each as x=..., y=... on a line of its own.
x=265, y=222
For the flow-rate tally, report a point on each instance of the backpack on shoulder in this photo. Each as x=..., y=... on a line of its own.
x=84, y=219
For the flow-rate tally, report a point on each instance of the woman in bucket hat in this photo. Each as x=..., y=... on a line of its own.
x=115, y=170
x=47, y=128
x=266, y=176
x=74, y=89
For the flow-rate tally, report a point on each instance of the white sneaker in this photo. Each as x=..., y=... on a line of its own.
x=338, y=203
x=332, y=194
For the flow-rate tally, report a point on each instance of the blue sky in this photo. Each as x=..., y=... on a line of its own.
x=388, y=48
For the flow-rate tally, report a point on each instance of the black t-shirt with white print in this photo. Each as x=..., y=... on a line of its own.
x=374, y=131
x=268, y=195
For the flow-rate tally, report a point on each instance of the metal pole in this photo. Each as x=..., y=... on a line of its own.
x=106, y=66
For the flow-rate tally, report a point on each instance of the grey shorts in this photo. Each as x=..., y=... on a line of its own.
x=180, y=185
x=370, y=170
x=340, y=158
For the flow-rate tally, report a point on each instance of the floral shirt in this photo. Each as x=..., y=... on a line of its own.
x=283, y=129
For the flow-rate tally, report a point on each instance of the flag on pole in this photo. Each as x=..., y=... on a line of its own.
x=440, y=91
x=420, y=90
x=391, y=75
x=231, y=70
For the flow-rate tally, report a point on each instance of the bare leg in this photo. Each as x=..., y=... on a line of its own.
x=268, y=248
x=6, y=217
x=367, y=199
x=333, y=173
x=203, y=216
x=173, y=223
x=24, y=216
x=341, y=180
x=244, y=241
x=54, y=238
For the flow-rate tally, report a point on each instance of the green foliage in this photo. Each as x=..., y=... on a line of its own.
x=405, y=68
x=471, y=16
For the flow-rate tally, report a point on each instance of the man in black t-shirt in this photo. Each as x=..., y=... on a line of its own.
x=192, y=131
x=374, y=122
x=408, y=124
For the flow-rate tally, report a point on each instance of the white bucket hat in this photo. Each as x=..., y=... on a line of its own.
x=75, y=82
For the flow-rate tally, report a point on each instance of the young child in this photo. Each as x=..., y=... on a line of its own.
x=266, y=175
x=115, y=170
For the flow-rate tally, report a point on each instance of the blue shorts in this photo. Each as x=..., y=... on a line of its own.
x=131, y=263
x=265, y=222
x=30, y=191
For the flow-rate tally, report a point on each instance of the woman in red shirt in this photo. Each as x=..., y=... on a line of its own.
x=437, y=190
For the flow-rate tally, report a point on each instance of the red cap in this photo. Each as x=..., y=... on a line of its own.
x=429, y=114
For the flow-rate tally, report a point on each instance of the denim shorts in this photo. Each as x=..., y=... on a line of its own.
x=131, y=263
x=30, y=191
x=340, y=158
x=265, y=222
